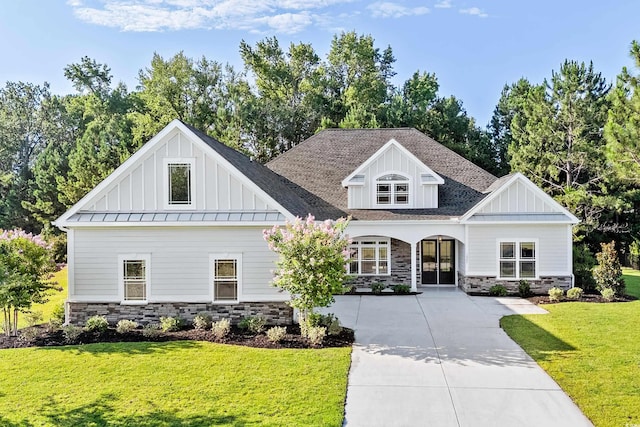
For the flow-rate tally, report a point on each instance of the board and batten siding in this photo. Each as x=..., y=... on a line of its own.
x=393, y=160
x=142, y=189
x=518, y=197
x=179, y=270
x=553, y=251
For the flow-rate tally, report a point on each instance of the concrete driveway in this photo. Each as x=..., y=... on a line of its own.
x=441, y=359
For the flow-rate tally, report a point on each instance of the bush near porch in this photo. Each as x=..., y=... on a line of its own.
x=592, y=351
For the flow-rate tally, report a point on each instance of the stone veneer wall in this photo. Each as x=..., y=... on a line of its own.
x=276, y=313
x=481, y=284
x=400, y=268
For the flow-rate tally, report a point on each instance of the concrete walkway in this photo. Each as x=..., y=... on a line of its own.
x=441, y=359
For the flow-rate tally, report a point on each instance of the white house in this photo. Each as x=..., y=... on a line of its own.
x=177, y=228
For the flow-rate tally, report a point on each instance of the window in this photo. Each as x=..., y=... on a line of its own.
x=370, y=257
x=392, y=189
x=134, y=278
x=226, y=277
x=179, y=185
x=517, y=260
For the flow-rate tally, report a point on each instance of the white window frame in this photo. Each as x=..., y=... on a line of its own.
x=191, y=161
x=356, y=249
x=392, y=192
x=147, y=273
x=517, y=258
x=225, y=256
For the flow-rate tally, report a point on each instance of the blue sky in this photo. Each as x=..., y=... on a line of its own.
x=473, y=46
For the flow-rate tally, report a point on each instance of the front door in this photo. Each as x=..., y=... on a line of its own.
x=438, y=262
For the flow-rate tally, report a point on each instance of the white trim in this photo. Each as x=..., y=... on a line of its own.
x=229, y=255
x=380, y=152
x=410, y=191
x=357, y=244
x=516, y=259
x=174, y=126
x=537, y=190
x=71, y=263
x=191, y=161
x=146, y=257
x=414, y=266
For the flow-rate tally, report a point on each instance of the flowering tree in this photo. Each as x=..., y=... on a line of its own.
x=312, y=261
x=25, y=264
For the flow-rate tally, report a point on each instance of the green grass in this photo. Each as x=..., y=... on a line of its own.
x=592, y=351
x=56, y=298
x=183, y=383
x=632, y=281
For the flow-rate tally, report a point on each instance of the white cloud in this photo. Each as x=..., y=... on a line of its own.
x=444, y=4
x=283, y=16
x=394, y=10
x=474, y=11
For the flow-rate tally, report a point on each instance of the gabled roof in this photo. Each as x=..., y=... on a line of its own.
x=319, y=165
x=559, y=214
x=436, y=179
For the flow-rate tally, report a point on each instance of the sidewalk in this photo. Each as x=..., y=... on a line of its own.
x=441, y=359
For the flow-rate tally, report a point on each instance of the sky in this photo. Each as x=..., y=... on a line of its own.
x=474, y=47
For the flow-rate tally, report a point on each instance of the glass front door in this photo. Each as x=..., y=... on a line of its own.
x=438, y=262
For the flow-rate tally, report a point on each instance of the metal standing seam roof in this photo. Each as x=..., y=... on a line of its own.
x=194, y=217
x=520, y=217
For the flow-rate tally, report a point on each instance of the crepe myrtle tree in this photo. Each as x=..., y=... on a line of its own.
x=25, y=266
x=312, y=263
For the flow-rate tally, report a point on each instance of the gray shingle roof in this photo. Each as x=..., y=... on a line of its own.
x=319, y=164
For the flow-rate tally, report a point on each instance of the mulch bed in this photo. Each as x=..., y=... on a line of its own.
x=293, y=339
x=595, y=298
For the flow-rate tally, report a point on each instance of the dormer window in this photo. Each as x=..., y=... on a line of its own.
x=179, y=183
x=392, y=189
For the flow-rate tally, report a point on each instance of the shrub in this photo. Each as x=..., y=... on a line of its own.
x=221, y=328
x=171, y=324
x=71, y=333
x=524, y=289
x=29, y=334
x=58, y=314
x=583, y=263
x=202, y=321
x=498, y=291
x=276, y=333
x=377, y=288
x=125, y=326
x=608, y=294
x=316, y=335
x=575, y=293
x=555, y=294
x=608, y=272
x=33, y=317
x=401, y=289
x=333, y=325
x=151, y=330
x=253, y=324
x=329, y=321
x=97, y=324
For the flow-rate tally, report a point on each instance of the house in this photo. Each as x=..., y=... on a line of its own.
x=177, y=228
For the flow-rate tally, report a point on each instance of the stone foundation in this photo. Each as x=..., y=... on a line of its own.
x=276, y=313
x=482, y=284
x=400, y=268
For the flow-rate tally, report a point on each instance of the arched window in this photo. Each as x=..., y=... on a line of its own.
x=392, y=189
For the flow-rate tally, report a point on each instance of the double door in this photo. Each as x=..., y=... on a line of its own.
x=438, y=262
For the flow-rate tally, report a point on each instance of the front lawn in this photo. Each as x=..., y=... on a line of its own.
x=55, y=299
x=592, y=351
x=182, y=383
x=632, y=281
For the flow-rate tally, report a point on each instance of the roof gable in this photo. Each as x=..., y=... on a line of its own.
x=515, y=198
x=395, y=153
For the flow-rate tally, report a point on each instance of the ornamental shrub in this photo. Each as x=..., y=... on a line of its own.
x=401, y=289
x=253, y=324
x=377, y=288
x=97, y=324
x=125, y=326
x=58, y=314
x=311, y=266
x=202, y=321
x=555, y=294
x=72, y=333
x=221, y=328
x=171, y=324
x=608, y=272
x=33, y=317
x=608, y=294
x=316, y=335
x=498, y=291
x=575, y=293
x=276, y=334
x=583, y=263
x=151, y=331
x=524, y=289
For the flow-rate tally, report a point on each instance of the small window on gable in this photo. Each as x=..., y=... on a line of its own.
x=392, y=189
x=179, y=185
